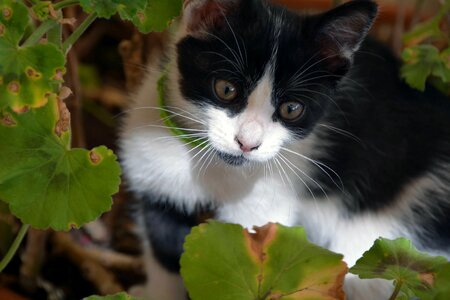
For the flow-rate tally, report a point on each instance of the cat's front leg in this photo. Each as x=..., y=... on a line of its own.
x=165, y=228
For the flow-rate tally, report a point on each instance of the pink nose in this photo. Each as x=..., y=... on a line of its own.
x=247, y=147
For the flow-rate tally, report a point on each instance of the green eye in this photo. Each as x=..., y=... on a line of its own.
x=225, y=90
x=291, y=110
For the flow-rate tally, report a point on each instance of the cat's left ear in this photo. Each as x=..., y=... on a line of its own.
x=341, y=31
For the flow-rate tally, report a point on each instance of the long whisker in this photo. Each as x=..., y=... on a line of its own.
x=172, y=137
x=163, y=109
x=343, y=132
x=167, y=127
x=290, y=165
x=321, y=166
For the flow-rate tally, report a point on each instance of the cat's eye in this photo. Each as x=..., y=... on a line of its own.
x=291, y=110
x=225, y=90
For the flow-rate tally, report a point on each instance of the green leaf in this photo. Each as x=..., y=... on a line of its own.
x=422, y=61
x=157, y=15
x=107, y=8
x=223, y=261
x=28, y=75
x=46, y=183
x=420, y=274
x=146, y=15
x=13, y=20
x=119, y=296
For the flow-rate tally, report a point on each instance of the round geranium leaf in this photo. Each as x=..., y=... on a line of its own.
x=224, y=261
x=45, y=183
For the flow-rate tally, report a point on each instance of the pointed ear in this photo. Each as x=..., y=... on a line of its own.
x=342, y=30
x=201, y=15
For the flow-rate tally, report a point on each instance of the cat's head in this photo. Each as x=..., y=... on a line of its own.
x=259, y=76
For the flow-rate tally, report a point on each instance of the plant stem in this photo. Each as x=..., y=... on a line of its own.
x=15, y=245
x=398, y=286
x=78, y=32
x=54, y=35
x=39, y=32
x=65, y=3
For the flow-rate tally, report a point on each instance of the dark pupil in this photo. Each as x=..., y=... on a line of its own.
x=292, y=107
x=227, y=90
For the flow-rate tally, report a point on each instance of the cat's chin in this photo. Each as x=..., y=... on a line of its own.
x=234, y=160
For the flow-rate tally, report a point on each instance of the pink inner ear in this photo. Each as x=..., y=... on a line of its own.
x=208, y=14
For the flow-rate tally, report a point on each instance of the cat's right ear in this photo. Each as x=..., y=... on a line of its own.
x=199, y=16
x=341, y=31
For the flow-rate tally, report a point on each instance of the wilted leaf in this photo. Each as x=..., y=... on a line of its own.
x=27, y=74
x=223, y=261
x=119, y=296
x=46, y=183
x=420, y=274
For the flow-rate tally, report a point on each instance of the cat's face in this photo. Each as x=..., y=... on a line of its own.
x=260, y=76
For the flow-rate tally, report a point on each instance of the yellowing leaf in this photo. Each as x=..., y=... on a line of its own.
x=28, y=75
x=223, y=261
x=418, y=273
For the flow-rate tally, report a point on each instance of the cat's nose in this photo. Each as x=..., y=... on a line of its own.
x=246, y=146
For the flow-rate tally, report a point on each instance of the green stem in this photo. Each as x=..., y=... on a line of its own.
x=398, y=286
x=54, y=35
x=65, y=3
x=13, y=249
x=78, y=32
x=39, y=32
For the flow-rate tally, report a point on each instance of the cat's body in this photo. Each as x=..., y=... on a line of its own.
x=367, y=157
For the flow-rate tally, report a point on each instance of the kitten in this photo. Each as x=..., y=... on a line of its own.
x=286, y=118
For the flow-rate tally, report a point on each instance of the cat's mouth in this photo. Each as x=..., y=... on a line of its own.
x=234, y=160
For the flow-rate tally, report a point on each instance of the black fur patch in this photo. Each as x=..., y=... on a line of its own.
x=166, y=226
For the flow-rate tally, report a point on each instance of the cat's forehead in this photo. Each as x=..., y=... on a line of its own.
x=249, y=39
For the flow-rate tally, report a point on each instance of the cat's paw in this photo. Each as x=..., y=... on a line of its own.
x=367, y=289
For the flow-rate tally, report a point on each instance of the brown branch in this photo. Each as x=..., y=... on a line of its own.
x=72, y=79
x=94, y=262
x=132, y=57
x=32, y=259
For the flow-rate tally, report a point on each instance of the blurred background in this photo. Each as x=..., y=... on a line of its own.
x=104, y=66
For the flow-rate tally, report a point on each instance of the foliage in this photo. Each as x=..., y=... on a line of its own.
x=64, y=187
x=224, y=261
x=275, y=262
x=45, y=182
x=415, y=273
x=423, y=59
x=145, y=15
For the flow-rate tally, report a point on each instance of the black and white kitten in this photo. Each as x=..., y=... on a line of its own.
x=291, y=119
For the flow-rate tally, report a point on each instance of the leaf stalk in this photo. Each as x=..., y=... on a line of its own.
x=397, y=289
x=15, y=245
x=39, y=32
x=78, y=32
